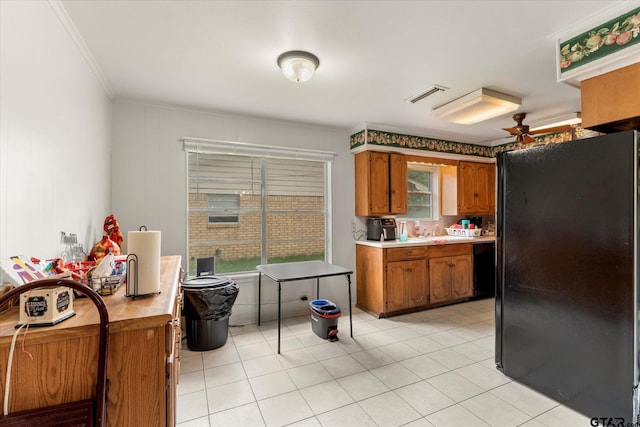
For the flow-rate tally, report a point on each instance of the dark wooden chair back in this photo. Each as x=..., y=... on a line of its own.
x=89, y=412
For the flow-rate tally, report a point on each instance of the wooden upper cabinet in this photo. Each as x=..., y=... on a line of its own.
x=467, y=192
x=381, y=183
x=611, y=101
x=485, y=187
x=469, y=188
x=399, y=184
x=476, y=188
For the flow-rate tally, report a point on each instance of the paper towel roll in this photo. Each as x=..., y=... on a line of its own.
x=146, y=246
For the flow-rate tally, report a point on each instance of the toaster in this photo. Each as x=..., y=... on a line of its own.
x=381, y=229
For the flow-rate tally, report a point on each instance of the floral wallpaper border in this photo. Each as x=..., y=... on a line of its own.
x=603, y=40
x=390, y=139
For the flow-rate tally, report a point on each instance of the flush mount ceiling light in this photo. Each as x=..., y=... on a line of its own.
x=297, y=65
x=474, y=107
x=565, y=119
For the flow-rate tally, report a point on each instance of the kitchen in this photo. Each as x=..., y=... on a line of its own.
x=55, y=103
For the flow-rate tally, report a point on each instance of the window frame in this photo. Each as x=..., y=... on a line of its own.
x=264, y=152
x=435, y=190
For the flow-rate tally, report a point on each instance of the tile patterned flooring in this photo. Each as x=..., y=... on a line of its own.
x=431, y=368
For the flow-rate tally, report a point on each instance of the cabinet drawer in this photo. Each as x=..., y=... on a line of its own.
x=406, y=253
x=450, y=250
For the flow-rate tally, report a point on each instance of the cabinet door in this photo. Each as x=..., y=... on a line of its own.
x=396, y=286
x=466, y=187
x=440, y=279
x=462, y=280
x=173, y=331
x=417, y=282
x=398, y=184
x=483, y=187
x=378, y=183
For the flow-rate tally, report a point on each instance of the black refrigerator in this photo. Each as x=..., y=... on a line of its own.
x=567, y=272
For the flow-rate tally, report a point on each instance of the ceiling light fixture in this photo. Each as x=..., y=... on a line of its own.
x=297, y=65
x=477, y=106
x=565, y=119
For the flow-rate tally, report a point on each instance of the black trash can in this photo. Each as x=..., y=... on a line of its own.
x=324, y=319
x=207, y=306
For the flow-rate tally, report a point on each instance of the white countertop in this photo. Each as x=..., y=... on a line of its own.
x=420, y=241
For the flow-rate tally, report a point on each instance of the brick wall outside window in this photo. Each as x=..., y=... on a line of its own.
x=225, y=241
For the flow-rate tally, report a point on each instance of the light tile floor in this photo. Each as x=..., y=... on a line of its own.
x=431, y=368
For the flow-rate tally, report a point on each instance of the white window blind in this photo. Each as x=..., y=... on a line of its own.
x=252, y=205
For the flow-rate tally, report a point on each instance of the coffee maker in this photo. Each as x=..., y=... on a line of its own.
x=381, y=229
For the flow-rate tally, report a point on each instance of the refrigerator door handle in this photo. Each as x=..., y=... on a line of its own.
x=500, y=183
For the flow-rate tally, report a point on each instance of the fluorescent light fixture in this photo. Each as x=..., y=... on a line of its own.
x=477, y=106
x=297, y=65
x=565, y=119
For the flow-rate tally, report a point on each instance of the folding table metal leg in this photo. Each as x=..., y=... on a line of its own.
x=350, y=317
x=259, y=295
x=279, y=303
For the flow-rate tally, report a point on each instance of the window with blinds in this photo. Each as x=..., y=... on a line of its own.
x=247, y=209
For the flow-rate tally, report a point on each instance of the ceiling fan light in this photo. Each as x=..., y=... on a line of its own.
x=297, y=65
x=477, y=106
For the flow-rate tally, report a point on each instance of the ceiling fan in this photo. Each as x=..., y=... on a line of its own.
x=523, y=134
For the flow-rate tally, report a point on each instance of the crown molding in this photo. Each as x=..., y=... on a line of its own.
x=75, y=35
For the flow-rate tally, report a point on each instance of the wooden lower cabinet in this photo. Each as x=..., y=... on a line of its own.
x=395, y=280
x=407, y=284
x=451, y=278
x=462, y=277
x=440, y=275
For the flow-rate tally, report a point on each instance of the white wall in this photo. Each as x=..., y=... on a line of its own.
x=149, y=187
x=55, y=132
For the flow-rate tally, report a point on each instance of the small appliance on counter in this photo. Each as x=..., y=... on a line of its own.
x=381, y=229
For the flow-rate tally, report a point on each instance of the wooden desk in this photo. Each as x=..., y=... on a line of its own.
x=142, y=365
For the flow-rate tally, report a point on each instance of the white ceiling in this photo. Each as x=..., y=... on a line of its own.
x=221, y=55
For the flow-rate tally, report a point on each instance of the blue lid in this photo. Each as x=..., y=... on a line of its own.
x=324, y=306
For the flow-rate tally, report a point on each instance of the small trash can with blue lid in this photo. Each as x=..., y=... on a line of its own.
x=324, y=319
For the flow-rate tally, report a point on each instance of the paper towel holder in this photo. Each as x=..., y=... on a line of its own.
x=132, y=271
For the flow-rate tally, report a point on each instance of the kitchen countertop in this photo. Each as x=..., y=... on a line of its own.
x=420, y=241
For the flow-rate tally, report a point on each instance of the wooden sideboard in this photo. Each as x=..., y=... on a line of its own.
x=142, y=364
